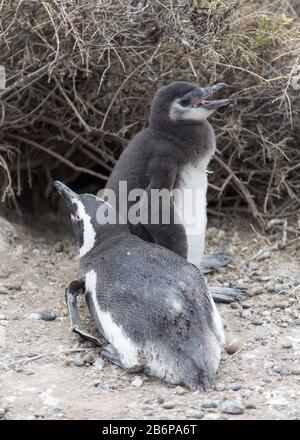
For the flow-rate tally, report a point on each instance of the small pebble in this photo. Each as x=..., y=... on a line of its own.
x=242, y=284
x=160, y=398
x=235, y=386
x=221, y=270
x=250, y=405
x=256, y=290
x=295, y=371
x=264, y=256
x=2, y=317
x=245, y=314
x=219, y=387
x=263, y=278
x=253, y=265
x=233, y=346
x=235, y=305
x=137, y=381
x=280, y=305
x=168, y=405
x=99, y=363
x=104, y=386
x=195, y=414
x=209, y=403
x=256, y=321
x=59, y=247
x=297, y=321
x=282, y=370
x=246, y=305
x=3, y=290
x=78, y=361
x=90, y=356
x=232, y=407
x=180, y=391
x=67, y=361
x=48, y=315
x=281, y=288
x=163, y=417
x=267, y=380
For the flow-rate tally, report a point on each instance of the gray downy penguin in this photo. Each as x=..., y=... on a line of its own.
x=173, y=153
x=150, y=304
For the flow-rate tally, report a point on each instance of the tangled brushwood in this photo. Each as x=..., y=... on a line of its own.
x=80, y=76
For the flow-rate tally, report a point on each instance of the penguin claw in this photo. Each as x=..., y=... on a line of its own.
x=81, y=331
x=110, y=353
x=214, y=261
x=227, y=294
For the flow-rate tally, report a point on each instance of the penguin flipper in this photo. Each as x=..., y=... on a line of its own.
x=214, y=261
x=227, y=294
x=165, y=230
x=110, y=353
x=74, y=288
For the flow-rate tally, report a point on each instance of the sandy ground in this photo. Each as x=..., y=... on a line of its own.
x=39, y=379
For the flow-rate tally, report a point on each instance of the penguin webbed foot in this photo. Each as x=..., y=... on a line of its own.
x=212, y=262
x=110, y=353
x=227, y=294
x=74, y=288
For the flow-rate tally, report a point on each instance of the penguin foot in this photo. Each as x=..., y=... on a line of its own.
x=74, y=288
x=227, y=294
x=110, y=353
x=214, y=261
x=85, y=334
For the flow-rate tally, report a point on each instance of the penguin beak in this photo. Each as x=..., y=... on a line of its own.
x=212, y=105
x=210, y=90
x=66, y=192
x=207, y=92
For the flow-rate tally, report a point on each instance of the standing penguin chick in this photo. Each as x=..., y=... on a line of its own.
x=173, y=153
x=150, y=304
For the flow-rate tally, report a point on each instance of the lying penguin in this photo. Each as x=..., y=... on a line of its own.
x=150, y=304
x=173, y=153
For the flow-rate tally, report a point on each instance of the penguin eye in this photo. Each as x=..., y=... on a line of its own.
x=185, y=102
x=76, y=216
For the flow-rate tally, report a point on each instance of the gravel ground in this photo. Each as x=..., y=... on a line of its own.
x=48, y=373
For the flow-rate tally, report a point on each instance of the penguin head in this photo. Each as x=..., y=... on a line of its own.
x=85, y=210
x=182, y=102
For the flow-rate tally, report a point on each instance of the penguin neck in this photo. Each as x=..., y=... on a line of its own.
x=193, y=140
x=104, y=234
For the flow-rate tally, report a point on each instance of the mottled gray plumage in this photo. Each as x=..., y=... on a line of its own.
x=154, y=297
x=156, y=156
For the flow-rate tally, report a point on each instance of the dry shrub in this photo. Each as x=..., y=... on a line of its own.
x=81, y=75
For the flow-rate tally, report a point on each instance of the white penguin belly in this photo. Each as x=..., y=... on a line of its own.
x=113, y=332
x=190, y=204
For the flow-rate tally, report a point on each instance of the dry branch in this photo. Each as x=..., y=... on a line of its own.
x=81, y=75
